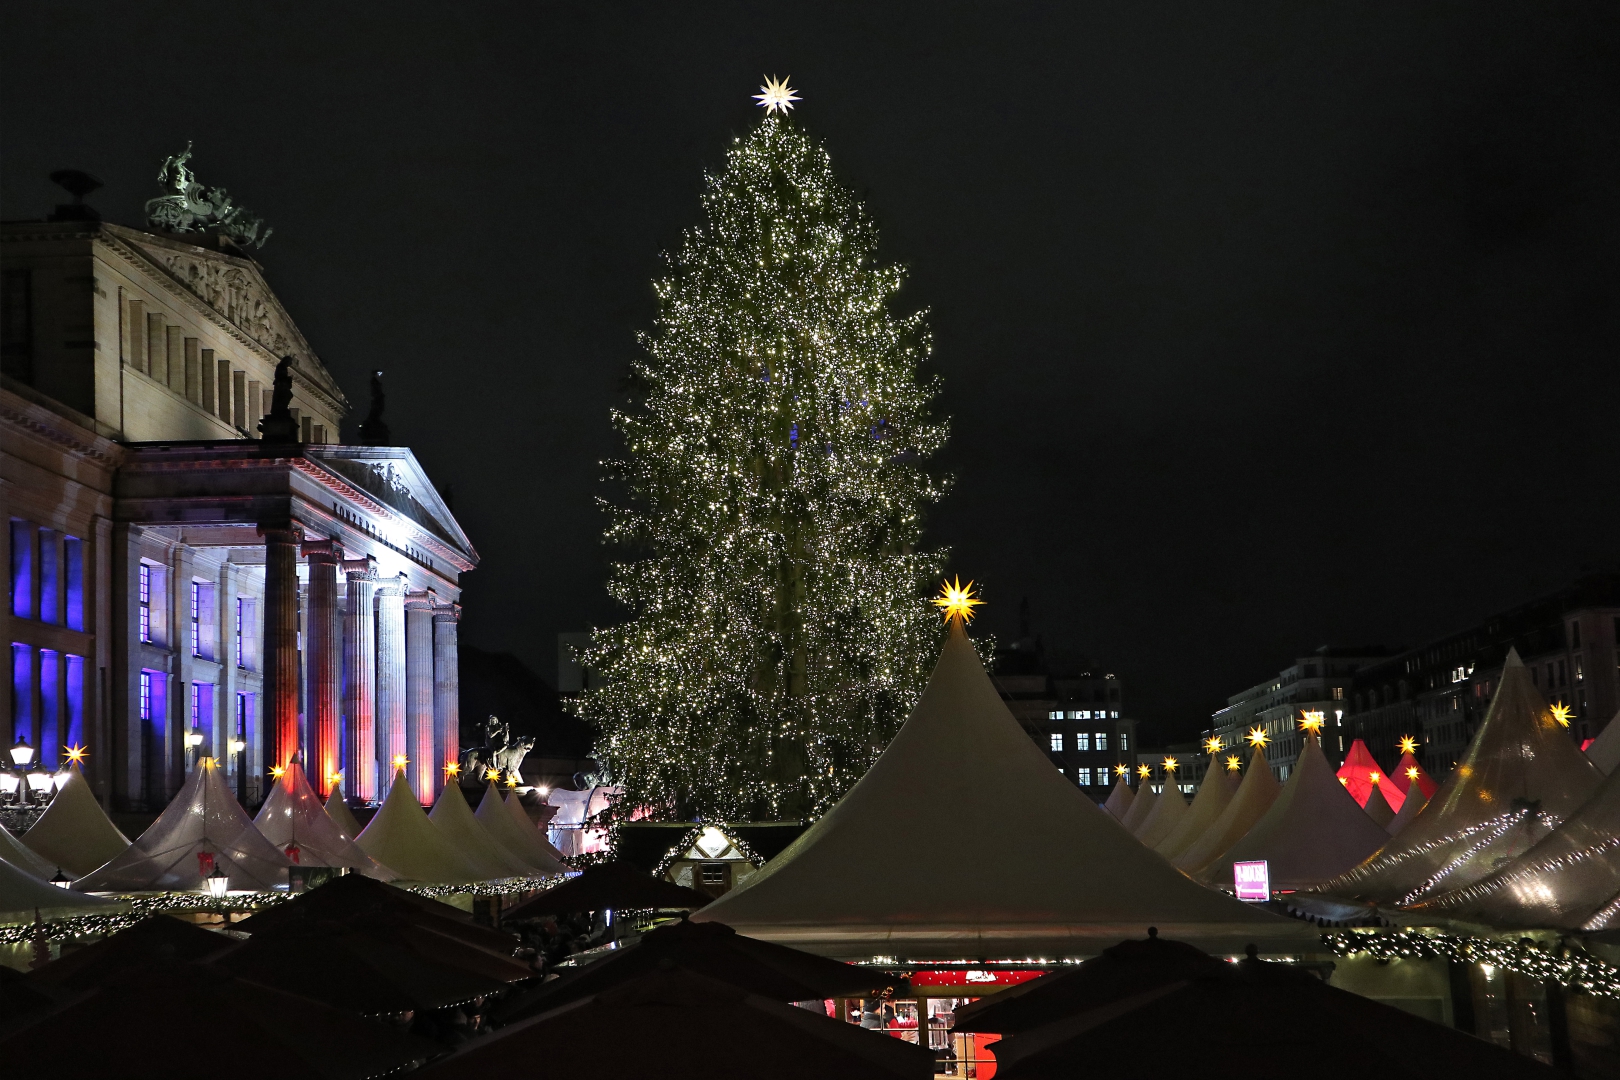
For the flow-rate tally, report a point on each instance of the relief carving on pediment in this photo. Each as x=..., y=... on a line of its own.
x=233, y=293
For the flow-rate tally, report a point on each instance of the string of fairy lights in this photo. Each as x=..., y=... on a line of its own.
x=1543, y=963
x=774, y=488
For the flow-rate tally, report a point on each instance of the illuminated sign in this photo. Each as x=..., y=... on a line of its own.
x=1252, y=880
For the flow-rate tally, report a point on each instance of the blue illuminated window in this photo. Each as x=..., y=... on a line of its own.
x=145, y=601
x=146, y=693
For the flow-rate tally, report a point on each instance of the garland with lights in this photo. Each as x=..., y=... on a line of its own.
x=774, y=502
x=690, y=838
x=141, y=906
x=1566, y=966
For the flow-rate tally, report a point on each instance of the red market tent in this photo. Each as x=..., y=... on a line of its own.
x=1360, y=774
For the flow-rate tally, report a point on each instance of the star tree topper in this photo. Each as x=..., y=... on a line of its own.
x=956, y=602
x=776, y=95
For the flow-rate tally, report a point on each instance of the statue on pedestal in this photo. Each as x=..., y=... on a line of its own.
x=500, y=751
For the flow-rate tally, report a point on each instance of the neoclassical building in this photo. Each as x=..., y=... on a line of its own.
x=179, y=585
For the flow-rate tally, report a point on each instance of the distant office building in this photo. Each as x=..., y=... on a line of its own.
x=1440, y=691
x=1072, y=710
x=1320, y=682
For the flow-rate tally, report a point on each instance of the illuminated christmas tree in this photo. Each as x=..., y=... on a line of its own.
x=775, y=487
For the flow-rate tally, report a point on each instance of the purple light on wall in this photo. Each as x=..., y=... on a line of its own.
x=75, y=701
x=22, y=693
x=22, y=570
x=48, y=748
x=49, y=588
x=73, y=575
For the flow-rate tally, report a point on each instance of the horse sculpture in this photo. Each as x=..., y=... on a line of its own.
x=500, y=751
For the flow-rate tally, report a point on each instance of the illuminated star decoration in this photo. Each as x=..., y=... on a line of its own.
x=276, y=772
x=1144, y=771
x=956, y=602
x=452, y=770
x=1312, y=721
x=1411, y=772
x=1213, y=745
x=1122, y=770
x=400, y=761
x=1372, y=778
x=1408, y=744
x=1171, y=764
x=512, y=781
x=776, y=95
x=1562, y=713
x=1258, y=737
x=1233, y=762
x=492, y=774
x=76, y=754
x=334, y=779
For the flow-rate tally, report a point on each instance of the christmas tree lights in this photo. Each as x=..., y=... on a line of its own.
x=775, y=489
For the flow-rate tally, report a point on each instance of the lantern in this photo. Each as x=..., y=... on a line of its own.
x=216, y=882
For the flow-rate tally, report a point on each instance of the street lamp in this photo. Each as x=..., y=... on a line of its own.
x=216, y=882
x=22, y=755
x=61, y=880
x=194, y=739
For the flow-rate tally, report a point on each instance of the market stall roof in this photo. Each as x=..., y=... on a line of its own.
x=1141, y=807
x=337, y=808
x=155, y=939
x=521, y=841
x=1569, y=877
x=1119, y=800
x=1605, y=749
x=401, y=837
x=454, y=818
x=515, y=808
x=1169, y=809
x=1249, y=804
x=686, y=1026
x=712, y=949
x=75, y=833
x=1409, y=771
x=1410, y=809
x=201, y=829
x=1219, y=785
x=220, y=1025
x=294, y=820
x=1050, y=876
x=609, y=885
x=355, y=897
x=1519, y=779
x=16, y=853
x=1312, y=832
x=21, y=893
x=1378, y=807
x=1361, y=773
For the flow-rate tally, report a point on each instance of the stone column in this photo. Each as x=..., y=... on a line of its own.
x=279, y=643
x=323, y=665
x=446, y=685
x=391, y=733
x=424, y=770
x=360, y=682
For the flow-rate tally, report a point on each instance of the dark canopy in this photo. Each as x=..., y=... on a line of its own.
x=613, y=885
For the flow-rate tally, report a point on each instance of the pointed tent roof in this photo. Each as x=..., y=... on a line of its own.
x=202, y=828
x=1219, y=785
x=522, y=842
x=1378, y=807
x=1403, y=778
x=514, y=807
x=454, y=818
x=401, y=837
x=74, y=832
x=1119, y=800
x=1051, y=876
x=1520, y=778
x=21, y=893
x=1141, y=807
x=292, y=818
x=1410, y=809
x=1249, y=804
x=1605, y=749
x=1361, y=773
x=1168, y=811
x=337, y=808
x=1313, y=831
x=14, y=852
x=1560, y=883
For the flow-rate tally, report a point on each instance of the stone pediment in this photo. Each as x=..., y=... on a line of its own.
x=392, y=475
x=234, y=288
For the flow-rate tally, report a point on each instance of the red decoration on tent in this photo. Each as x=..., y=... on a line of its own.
x=1403, y=777
x=205, y=863
x=1360, y=772
x=291, y=851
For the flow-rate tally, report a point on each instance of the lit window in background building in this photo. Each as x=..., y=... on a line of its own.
x=146, y=691
x=196, y=619
x=146, y=603
x=1102, y=740
x=1124, y=742
x=1085, y=776
x=1082, y=740
x=1057, y=740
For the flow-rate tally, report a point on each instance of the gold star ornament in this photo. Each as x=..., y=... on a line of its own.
x=1171, y=764
x=76, y=754
x=1562, y=713
x=1411, y=772
x=776, y=95
x=400, y=761
x=277, y=772
x=1233, y=763
x=1312, y=721
x=1122, y=770
x=1408, y=744
x=1213, y=745
x=1257, y=736
x=957, y=602
x=452, y=770
x=1144, y=771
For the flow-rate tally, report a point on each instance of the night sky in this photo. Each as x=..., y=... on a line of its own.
x=1261, y=326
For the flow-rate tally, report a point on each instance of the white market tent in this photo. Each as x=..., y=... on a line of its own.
x=1605, y=749
x=75, y=833
x=1002, y=856
x=1519, y=779
x=1249, y=804
x=21, y=893
x=1119, y=800
x=203, y=827
x=17, y=854
x=1411, y=808
x=294, y=820
x=401, y=837
x=1378, y=807
x=454, y=818
x=522, y=842
x=1141, y=807
x=1213, y=796
x=1314, y=830
x=338, y=810
x=1568, y=881
x=514, y=807
x=1169, y=809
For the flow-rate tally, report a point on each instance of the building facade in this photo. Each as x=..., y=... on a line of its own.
x=1439, y=692
x=180, y=587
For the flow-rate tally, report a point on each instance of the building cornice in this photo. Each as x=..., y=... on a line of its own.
x=50, y=425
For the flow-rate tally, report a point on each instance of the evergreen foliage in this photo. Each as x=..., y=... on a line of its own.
x=775, y=485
